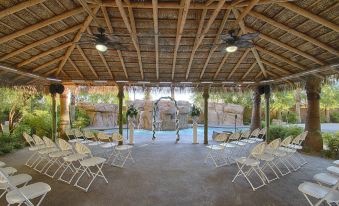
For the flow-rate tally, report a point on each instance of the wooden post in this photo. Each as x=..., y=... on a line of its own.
x=313, y=140
x=256, y=110
x=267, y=111
x=206, y=96
x=298, y=104
x=53, y=110
x=121, y=98
x=172, y=92
x=64, y=112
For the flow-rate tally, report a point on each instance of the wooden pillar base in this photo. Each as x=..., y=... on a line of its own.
x=206, y=96
x=256, y=110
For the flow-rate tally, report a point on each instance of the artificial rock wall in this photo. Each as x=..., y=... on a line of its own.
x=224, y=114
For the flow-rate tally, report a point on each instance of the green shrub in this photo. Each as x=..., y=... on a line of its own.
x=333, y=145
x=334, y=116
x=40, y=122
x=81, y=118
x=291, y=118
x=283, y=132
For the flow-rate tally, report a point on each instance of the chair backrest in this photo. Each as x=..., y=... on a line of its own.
x=222, y=137
x=286, y=141
x=258, y=149
x=234, y=136
x=78, y=133
x=69, y=132
x=304, y=135
x=263, y=131
x=37, y=140
x=116, y=137
x=89, y=134
x=82, y=149
x=28, y=139
x=274, y=144
x=48, y=142
x=246, y=134
x=255, y=133
x=103, y=136
x=64, y=145
x=296, y=140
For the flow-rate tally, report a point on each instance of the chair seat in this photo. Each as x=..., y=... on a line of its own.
x=326, y=178
x=318, y=191
x=266, y=157
x=288, y=150
x=228, y=145
x=74, y=140
x=30, y=191
x=36, y=148
x=86, y=141
x=239, y=143
x=16, y=180
x=294, y=146
x=256, y=139
x=108, y=145
x=336, y=162
x=333, y=170
x=248, y=161
x=74, y=157
x=92, y=161
x=60, y=154
x=9, y=170
x=215, y=147
x=124, y=147
x=248, y=141
x=48, y=150
x=2, y=164
x=95, y=143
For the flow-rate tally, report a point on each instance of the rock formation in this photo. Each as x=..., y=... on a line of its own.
x=224, y=114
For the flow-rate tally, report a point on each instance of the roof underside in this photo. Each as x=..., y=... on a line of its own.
x=38, y=37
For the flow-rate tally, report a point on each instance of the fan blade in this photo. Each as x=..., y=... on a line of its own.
x=87, y=35
x=85, y=42
x=113, y=38
x=244, y=44
x=116, y=46
x=226, y=37
x=249, y=36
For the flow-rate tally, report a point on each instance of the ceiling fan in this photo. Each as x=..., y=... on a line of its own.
x=231, y=42
x=102, y=41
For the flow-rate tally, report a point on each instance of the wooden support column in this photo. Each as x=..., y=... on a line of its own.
x=64, y=112
x=121, y=99
x=256, y=109
x=298, y=104
x=172, y=92
x=206, y=96
x=313, y=140
x=267, y=110
x=53, y=110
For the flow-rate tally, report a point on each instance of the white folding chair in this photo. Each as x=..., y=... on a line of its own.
x=253, y=166
x=107, y=145
x=268, y=159
x=87, y=164
x=326, y=179
x=336, y=163
x=16, y=180
x=245, y=137
x=7, y=170
x=216, y=152
x=2, y=164
x=70, y=135
x=89, y=135
x=320, y=193
x=232, y=150
x=44, y=154
x=289, y=153
x=255, y=135
x=261, y=134
x=32, y=147
x=56, y=158
x=121, y=153
x=241, y=145
x=279, y=155
x=25, y=194
x=296, y=144
x=334, y=170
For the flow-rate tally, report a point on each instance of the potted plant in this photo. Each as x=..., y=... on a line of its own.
x=195, y=113
x=132, y=112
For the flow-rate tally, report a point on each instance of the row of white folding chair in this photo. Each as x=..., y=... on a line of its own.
x=76, y=135
x=327, y=188
x=10, y=183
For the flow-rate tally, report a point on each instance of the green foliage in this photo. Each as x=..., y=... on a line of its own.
x=332, y=140
x=329, y=96
x=195, y=111
x=108, y=98
x=81, y=118
x=132, y=111
x=40, y=121
x=283, y=132
x=334, y=117
x=291, y=118
x=282, y=101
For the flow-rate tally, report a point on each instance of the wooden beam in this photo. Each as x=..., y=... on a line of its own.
x=156, y=36
x=180, y=27
x=40, y=25
x=254, y=51
x=110, y=29
x=89, y=12
x=47, y=64
x=40, y=42
x=19, y=7
x=106, y=65
x=300, y=11
x=76, y=68
x=212, y=50
x=87, y=61
x=294, y=32
x=238, y=63
x=43, y=54
x=221, y=65
x=131, y=31
x=199, y=40
x=77, y=37
x=21, y=72
x=249, y=70
x=288, y=47
x=245, y=12
x=275, y=67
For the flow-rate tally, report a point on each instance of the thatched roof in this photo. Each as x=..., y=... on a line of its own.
x=168, y=40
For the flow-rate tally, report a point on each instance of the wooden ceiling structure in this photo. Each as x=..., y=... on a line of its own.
x=168, y=41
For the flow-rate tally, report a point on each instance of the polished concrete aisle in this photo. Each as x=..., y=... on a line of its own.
x=172, y=174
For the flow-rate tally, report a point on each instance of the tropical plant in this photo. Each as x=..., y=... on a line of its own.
x=282, y=102
x=81, y=118
x=335, y=117
x=195, y=111
x=132, y=112
x=329, y=99
x=283, y=132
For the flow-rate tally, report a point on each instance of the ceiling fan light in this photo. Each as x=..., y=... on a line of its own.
x=231, y=48
x=101, y=47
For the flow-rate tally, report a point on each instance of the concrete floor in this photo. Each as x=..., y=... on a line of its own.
x=172, y=174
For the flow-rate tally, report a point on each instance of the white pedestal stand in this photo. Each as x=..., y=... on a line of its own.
x=195, y=131
x=131, y=131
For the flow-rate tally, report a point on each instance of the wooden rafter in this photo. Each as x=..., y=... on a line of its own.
x=89, y=11
x=131, y=29
x=43, y=54
x=40, y=25
x=221, y=65
x=19, y=7
x=106, y=65
x=294, y=32
x=82, y=53
x=76, y=38
x=310, y=15
x=212, y=50
x=275, y=67
x=156, y=36
x=249, y=70
x=40, y=42
x=47, y=64
x=76, y=68
x=254, y=51
x=180, y=27
x=110, y=29
x=238, y=63
x=245, y=12
x=201, y=38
